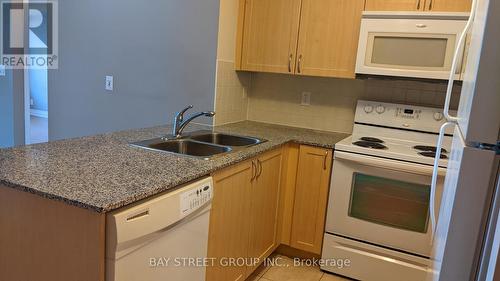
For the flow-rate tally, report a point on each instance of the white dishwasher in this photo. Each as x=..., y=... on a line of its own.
x=164, y=238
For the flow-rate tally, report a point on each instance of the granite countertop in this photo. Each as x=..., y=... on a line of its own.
x=102, y=173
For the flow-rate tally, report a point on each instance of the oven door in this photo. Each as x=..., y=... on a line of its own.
x=382, y=201
x=420, y=48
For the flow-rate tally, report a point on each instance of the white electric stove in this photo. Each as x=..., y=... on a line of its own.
x=380, y=193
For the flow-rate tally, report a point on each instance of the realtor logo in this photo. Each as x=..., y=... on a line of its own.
x=28, y=34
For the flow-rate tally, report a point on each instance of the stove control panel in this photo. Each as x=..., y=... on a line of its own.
x=368, y=109
x=399, y=116
x=438, y=116
x=408, y=113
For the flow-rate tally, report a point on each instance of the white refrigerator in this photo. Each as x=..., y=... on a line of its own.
x=467, y=234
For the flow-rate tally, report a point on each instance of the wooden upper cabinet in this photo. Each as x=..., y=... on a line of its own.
x=419, y=5
x=311, y=196
x=229, y=232
x=328, y=38
x=270, y=31
x=448, y=5
x=264, y=206
x=394, y=5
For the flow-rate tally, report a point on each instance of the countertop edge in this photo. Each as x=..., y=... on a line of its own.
x=49, y=196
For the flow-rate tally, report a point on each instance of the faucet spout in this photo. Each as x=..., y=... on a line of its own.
x=180, y=124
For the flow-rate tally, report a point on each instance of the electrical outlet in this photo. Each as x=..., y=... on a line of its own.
x=2, y=70
x=109, y=83
x=306, y=98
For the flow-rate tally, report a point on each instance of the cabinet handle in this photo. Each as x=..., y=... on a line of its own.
x=299, y=65
x=418, y=4
x=324, y=160
x=430, y=5
x=290, y=63
x=259, y=168
x=254, y=172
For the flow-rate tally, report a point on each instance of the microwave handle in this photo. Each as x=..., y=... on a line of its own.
x=387, y=164
x=456, y=58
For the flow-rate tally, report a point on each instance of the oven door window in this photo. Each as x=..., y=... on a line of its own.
x=390, y=202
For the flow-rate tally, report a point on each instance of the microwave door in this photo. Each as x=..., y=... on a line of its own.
x=478, y=114
x=466, y=193
x=409, y=46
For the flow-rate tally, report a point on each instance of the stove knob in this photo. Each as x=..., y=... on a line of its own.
x=368, y=109
x=438, y=116
x=380, y=109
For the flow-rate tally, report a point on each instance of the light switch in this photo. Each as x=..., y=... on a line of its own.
x=109, y=83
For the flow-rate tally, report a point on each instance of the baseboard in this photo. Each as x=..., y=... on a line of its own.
x=290, y=252
x=39, y=113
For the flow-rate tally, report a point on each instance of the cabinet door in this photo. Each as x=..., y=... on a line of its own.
x=311, y=195
x=394, y=5
x=448, y=5
x=270, y=35
x=328, y=38
x=228, y=235
x=264, y=206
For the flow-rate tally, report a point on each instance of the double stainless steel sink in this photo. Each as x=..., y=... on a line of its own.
x=202, y=144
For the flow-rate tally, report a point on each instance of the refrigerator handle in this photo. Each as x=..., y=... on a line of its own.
x=435, y=170
x=455, y=63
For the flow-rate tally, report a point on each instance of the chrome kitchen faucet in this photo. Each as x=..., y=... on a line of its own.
x=180, y=124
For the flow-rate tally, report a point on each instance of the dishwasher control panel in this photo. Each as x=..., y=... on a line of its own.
x=195, y=198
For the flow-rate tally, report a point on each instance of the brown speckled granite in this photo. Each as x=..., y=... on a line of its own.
x=103, y=173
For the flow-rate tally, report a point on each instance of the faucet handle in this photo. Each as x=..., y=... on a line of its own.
x=180, y=115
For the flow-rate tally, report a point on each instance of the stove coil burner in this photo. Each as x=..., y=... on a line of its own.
x=426, y=148
x=432, y=154
x=370, y=139
x=369, y=144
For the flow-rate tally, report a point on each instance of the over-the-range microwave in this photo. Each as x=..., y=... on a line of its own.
x=410, y=44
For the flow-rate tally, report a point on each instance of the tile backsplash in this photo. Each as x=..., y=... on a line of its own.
x=275, y=98
x=231, y=98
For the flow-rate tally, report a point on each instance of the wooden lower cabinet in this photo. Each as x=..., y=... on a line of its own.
x=279, y=197
x=311, y=196
x=264, y=207
x=48, y=240
x=306, y=180
x=228, y=229
x=243, y=219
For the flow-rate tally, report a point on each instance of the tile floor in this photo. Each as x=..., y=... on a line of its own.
x=284, y=270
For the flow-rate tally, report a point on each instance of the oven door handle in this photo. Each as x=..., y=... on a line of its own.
x=395, y=165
